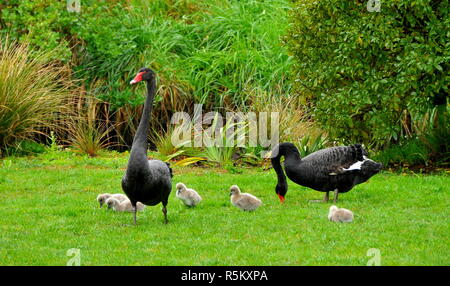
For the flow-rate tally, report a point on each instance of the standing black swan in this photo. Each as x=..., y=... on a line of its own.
x=336, y=169
x=146, y=181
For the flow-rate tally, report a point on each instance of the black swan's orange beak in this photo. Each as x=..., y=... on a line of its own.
x=137, y=78
x=281, y=198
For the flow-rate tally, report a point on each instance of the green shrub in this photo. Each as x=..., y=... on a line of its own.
x=412, y=152
x=42, y=23
x=360, y=71
x=24, y=148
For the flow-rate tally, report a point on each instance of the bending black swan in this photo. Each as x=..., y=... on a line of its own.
x=336, y=169
x=146, y=181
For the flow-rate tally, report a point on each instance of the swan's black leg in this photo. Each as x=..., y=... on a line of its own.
x=135, y=210
x=336, y=194
x=164, y=210
x=326, y=197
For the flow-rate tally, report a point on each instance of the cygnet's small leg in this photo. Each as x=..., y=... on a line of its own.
x=336, y=194
x=325, y=199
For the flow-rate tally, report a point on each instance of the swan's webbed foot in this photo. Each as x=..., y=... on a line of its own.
x=325, y=199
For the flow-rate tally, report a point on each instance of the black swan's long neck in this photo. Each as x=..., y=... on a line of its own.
x=140, y=143
x=291, y=159
x=278, y=169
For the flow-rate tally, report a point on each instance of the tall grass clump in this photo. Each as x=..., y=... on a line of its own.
x=361, y=73
x=33, y=90
x=88, y=133
x=222, y=142
x=295, y=121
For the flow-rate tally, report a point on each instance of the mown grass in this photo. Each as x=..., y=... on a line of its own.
x=47, y=206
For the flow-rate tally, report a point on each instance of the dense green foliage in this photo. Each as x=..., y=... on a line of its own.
x=366, y=74
x=370, y=77
x=212, y=52
x=405, y=217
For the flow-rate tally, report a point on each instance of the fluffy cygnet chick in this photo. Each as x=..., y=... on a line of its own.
x=103, y=197
x=244, y=201
x=189, y=196
x=124, y=206
x=340, y=215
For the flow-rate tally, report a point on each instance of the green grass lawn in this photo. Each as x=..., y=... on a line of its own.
x=48, y=206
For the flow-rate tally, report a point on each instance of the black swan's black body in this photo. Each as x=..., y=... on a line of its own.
x=146, y=181
x=336, y=169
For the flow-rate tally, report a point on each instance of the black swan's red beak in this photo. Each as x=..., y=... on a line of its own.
x=281, y=198
x=137, y=78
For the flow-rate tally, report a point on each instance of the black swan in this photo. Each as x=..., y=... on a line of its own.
x=336, y=169
x=146, y=181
